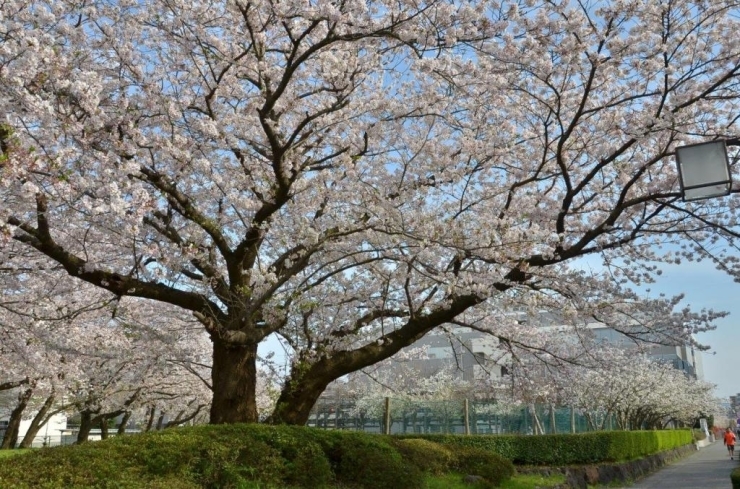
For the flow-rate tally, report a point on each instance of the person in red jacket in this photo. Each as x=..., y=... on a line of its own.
x=729, y=442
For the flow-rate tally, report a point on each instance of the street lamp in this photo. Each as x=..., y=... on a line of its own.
x=704, y=169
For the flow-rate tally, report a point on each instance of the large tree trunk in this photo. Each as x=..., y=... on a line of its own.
x=37, y=422
x=234, y=376
x=14, y=423
x=300, y=393
x=86, y=424
x=307, y=382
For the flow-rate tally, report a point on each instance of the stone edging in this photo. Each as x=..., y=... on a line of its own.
x=583, y=476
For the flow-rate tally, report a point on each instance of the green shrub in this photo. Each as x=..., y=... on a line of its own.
x=699, y=435
x=428, y=456
x=492, y=467
x=308, y=467
x=271, y=457
x=568, y=449
x=225, y=456
x=221, y=466
x=375, y=464
x=508, y=446
x=306, y=463
x=735, y=478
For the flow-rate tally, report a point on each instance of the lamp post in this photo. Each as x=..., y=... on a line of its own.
x=704, y=169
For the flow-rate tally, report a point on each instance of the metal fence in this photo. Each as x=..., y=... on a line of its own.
x=397, y=416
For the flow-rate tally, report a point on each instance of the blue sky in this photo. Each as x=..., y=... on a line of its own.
x=706, y=287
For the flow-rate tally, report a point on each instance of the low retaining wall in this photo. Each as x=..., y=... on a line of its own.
x=703, y=443
x=584, y=476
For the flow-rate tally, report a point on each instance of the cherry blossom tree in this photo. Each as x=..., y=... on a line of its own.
x=640, y=393
x=124, y=365
x=86, y=352
x=350, y=176
x=622, y=384
x=30, y=317
x=174, y=352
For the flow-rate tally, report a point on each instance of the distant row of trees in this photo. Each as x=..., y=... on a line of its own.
x=63, y=351
x=624, y=389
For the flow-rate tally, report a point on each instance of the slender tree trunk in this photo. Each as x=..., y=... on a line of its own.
x=553, y=428
x=150, y=421
x=177, y=419
x=160, y=420
x=14, y=423
x=124, y=422
x=182, y=420
x=103, y=427
x=234, y=380
x=37, y=422
x=536, y=423
x=572, y=419
x=590, y=421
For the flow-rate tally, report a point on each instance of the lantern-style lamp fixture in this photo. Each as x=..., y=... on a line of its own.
x=704, y=169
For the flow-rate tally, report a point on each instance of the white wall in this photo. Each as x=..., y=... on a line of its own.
x=49, y=434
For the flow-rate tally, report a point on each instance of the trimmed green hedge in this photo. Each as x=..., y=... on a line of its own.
x=271, y=457
x=570, y=449
x=248, y=457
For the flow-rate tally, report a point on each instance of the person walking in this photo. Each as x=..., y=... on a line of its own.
x=729, y=442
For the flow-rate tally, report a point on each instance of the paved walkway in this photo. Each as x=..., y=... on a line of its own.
x=708, y=468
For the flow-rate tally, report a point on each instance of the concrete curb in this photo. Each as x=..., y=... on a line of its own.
x=584, y=476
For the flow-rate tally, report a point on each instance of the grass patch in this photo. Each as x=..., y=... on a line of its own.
x=525, y=481
x=14, y=453
x=531, y=481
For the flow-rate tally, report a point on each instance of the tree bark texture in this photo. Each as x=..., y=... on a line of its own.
x=298, y=398
x=234, y=380
x=86, y=424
